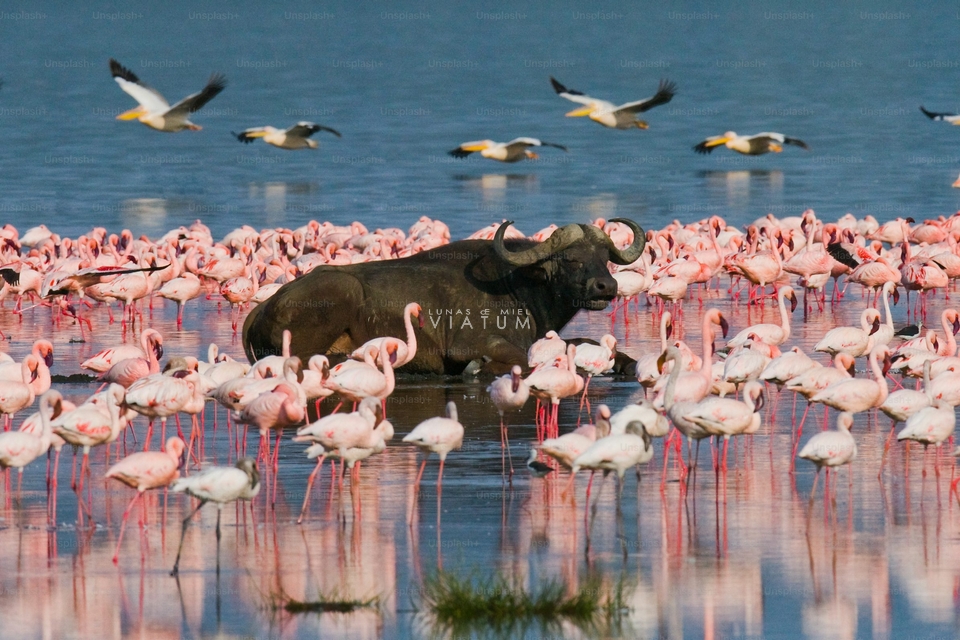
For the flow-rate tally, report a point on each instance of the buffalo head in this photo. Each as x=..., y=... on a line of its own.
x=575, y=260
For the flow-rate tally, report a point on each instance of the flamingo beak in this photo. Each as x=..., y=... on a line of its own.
x=158, y=350
x=420, y=319
x=793, y=303
x=956, y=325
x=875, y=327
x=852, y=369
x=661, y=361
x=896, y=296
x=48, y=358
x=516, y=382
x=886, y=363
x=760, y=401
x=724, y=326
x=669, y=330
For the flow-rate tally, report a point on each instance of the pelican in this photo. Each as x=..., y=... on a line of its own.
x=952, y=118
x=755, y=145
x=154, y=111
x=513, y=151
x=296, y=137
x=611, y=115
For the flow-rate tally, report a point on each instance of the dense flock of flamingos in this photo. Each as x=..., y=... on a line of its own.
x=713, y=393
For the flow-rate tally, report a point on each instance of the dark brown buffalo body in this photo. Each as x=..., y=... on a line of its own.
x=479, y=298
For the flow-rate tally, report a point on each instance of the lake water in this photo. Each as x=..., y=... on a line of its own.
x=404, y=85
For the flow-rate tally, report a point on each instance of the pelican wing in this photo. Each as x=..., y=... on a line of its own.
x=573, y=96
x=149, y=98
x=933, y=115
x=195, y=102
x=247, y=135
x=522, y=143
x=664, y=94
x=307, y=129
x=773, y=136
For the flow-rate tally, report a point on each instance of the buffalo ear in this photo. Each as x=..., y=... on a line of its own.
x=536, y=272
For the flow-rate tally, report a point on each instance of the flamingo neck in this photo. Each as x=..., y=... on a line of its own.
x=886, y=308
x=951, y=345
x=670, y=391
x=664, y=319
x=706, y=365
x=878, y=373
x=784, y=316
x=411, y=335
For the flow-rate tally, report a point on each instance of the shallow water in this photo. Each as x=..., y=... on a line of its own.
x=742, y=556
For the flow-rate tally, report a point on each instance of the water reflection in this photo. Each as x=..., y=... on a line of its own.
x=740, y=186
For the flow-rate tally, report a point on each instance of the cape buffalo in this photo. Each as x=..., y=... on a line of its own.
x=480, y=299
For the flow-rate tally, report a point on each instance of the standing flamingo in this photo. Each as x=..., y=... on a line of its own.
x=831, y=448
x=774, y=334
x=219, y=485
x=20, y=448
x=406, y=351
x=180, y=290
x=508, y=393
x=439, y=436
x=146, y=470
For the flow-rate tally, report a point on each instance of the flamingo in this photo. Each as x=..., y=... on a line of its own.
x=20, y=448
x=746, y=363
x=830, y=448
x=726, y=417
x=42, y=350
x=126, y=372
x=439, y=436
x=537, y=468
x=362, y=381
x=903, y=403
x=274, y=409
x=566, y=448
x=160, y=396
x=15, y=396
x=317, y=371
x=654, y=423
x=88, y=426
x=220, y=485
x=787, y=366
x=931, y=425
x=100, y=362
x=406, y=351
x=695, y=385
x=146, y=470
x=545, y=350
x=852, y=340
x=556, y=382
x=595, y=360
x=772, y=334
x=677, y=409
x=181, y=289
x=859, y=394
x=508, y=393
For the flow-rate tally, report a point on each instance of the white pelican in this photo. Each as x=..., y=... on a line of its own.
x=611, y=115
x=154, y=111
x=513, y=151
x=952, y=118
x=296, y=137
x=755, y=145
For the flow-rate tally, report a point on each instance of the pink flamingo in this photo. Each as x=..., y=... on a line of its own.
x=180, y=290
x=126, y=372
x=508, y=393
x=545, y=350
x=160, y=396
x=362, y=381
x=88, y=426
x=595, y=360
x=830, y=449
x=106, y=358
x=20, y=448
x=274, y=409
x=43, y=350
x=146, y=470
x=774, y=334
x=406, y=351
x=554, y=383
x=238, y=291
x=859, y=394
x=14, y=395
x=695, y=385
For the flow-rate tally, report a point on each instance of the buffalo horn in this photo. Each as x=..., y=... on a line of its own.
x=560, y=240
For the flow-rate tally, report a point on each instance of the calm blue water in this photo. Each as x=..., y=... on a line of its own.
x=404, y=84
x=407, y=83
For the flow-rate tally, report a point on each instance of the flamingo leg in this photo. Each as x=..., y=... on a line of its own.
x=306, y=497
x=123, y=524
x=183, y=534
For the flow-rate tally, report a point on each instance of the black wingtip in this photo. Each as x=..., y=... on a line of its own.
x=559, y=88
x=217, y=82
x=841, y=255
x=120, y=71
x=796, y=142
x=242, y=137
x=702, y=148
x=929, y=114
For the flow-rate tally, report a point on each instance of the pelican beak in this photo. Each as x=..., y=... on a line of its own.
x=255, y=134
x=132, y=114
x=582, y=111
x=473, y=147
x=716, y=143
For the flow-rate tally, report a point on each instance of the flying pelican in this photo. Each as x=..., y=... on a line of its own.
x=952, y=118
x=513, y=151
x=755, y=145
x=296, y=137
x=611, y=115
x=154, y=111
